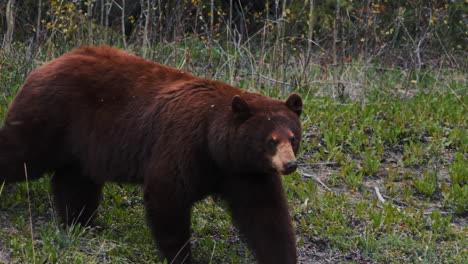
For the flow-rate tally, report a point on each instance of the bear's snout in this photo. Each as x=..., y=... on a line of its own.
x=284, y=160
x=290, y=167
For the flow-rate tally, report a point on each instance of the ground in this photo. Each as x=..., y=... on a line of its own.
x=382, y=180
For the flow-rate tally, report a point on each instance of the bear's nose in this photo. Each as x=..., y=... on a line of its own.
x=290, y=167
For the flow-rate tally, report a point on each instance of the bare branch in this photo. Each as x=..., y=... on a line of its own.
x=315, y=178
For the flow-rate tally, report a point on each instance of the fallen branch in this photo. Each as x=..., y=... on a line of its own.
x=377, y=191
x=315, y=178
x=381, y=199
x=395, y=200
x=323, y=163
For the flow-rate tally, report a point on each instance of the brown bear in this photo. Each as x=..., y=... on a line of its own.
x=99, y=114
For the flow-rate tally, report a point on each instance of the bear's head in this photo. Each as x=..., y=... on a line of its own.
x=267, y=135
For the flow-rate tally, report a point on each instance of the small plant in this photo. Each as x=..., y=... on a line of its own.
x=459, y=170
x=456, y=198
x=351, y=175
x=370, y=163
x=413, y=154
x=331, y=140
x=427, y=184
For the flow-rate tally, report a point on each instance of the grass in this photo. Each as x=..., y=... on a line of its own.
x=384, y=132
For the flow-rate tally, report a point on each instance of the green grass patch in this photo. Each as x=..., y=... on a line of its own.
x=384, y=134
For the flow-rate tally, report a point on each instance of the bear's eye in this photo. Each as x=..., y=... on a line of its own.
x=293, y=140
x=273, y=142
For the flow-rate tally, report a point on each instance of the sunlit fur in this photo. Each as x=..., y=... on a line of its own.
x=284, y=152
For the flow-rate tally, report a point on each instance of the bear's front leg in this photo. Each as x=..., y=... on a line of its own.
x=260, y=211
x=169, y=221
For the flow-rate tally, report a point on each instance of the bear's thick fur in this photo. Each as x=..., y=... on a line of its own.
x=99, y=114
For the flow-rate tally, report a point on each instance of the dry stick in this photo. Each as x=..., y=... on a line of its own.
x=145, y=33
x=323, y=163
x=90, y=22
x=30, y=214
x=153, y=28
x=311, y=28
x=123, y=25
x=212, y=252
x=457, y=96
x=10, y=19
x=315, y=178
x=1, y=187
x=379, y=196
x=101, y=19
x=395, y=200
x=447, y=55
x=265, y=30
x=106, y=20
x=335, y=30
x=160, y=22
x=195, y=28
x=210, y=41
x=273, y=60
x=382, y=200
x=283, y=33
x=38, y=23
x=230, y=38
x=309, y=36
x=335, y=40
x=278, y=43
x=180, y=250
x=271, y=79
x=177, y=17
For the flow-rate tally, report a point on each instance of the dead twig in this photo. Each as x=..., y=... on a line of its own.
x=315, y=178
x=271, y=79
x=381, y=199
x=379, y=196
x=331, y=163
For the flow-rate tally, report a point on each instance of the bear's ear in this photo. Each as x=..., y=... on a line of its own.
x=240, y=108
x=294, y=103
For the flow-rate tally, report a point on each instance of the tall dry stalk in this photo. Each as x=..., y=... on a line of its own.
x=147, y=13
x=278, y=51
x=107, y=8
x=307, y=67
x=101, y=20
x=10, y=19
x=38, y=21
x=337, y=86
x=90, y=22
x=335, y=31
x=124, y=36
x=160, y=22
x=229, y=46
x=282, y=39
x=310, y=34
x=264, y=36
x=210, y=40
x=277, y=40
x=30, y=213
x=101, y=17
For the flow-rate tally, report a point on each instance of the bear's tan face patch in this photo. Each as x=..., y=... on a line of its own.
x=284, y=152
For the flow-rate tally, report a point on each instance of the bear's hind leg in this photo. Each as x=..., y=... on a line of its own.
x=169, y=222
x=76, y=197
